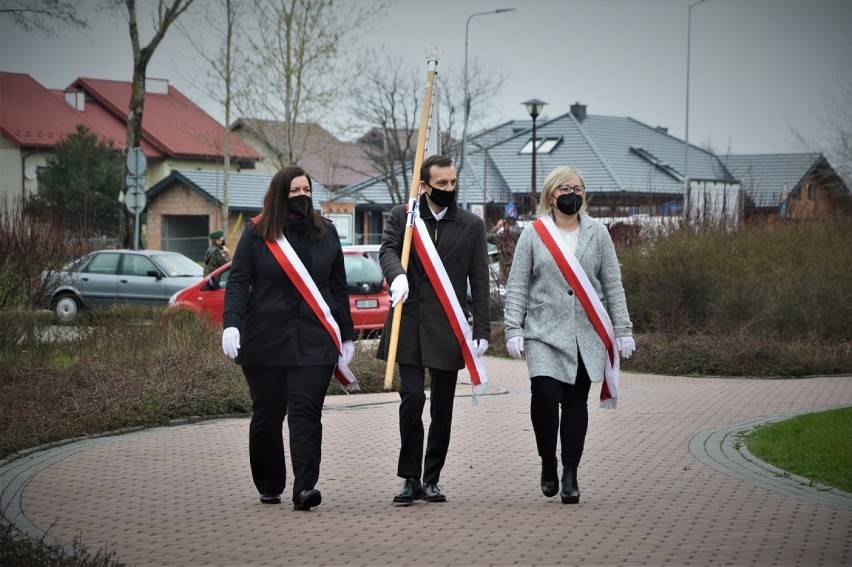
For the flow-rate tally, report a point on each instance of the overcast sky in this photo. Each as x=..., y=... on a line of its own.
x=760, y=69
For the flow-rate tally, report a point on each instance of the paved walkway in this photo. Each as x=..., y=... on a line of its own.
x=663, y=481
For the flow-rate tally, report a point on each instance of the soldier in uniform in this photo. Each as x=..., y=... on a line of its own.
x=218, y=254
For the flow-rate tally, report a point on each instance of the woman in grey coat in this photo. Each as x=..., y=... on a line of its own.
x=544, y=318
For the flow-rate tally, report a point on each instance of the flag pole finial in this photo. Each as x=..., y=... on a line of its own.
x=433, y=54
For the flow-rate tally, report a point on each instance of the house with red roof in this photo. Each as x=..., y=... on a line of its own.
x=334, y=163
x=176, y=133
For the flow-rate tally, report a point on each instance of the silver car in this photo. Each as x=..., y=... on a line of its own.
x=110, y=277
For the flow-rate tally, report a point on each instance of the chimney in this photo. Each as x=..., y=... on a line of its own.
x=578, y=110
x=77, y=99
x=157, y=86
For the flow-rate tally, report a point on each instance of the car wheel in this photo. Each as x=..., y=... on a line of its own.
x=66, y=307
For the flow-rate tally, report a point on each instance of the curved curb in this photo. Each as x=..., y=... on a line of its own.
x=722, y=450
x=19, y=468
x=15, y=474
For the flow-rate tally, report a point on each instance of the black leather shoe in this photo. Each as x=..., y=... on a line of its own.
x=411, y=490
x=570, y=491
x=307, y=499
x=549, y=477
x=432, y=493
x=270, y=498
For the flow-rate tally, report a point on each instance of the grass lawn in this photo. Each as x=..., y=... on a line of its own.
x=814, y=446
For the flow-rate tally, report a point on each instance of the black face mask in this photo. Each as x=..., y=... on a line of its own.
x=442, y=198
x=569, y=204
x=299, y=206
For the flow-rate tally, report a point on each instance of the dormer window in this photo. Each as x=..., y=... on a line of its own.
x=77, y=99
x=543, y=145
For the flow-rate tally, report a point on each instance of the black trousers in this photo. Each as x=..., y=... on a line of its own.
x=548, y=394
x=413, y=399
x=297, y=392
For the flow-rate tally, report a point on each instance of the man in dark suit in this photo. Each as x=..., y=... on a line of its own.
x=426, y=339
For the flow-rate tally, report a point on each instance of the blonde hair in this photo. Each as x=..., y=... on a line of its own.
x=556, y=177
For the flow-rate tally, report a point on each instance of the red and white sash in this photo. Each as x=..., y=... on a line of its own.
x=298, y=274
x=440, y=281
x=579, y=282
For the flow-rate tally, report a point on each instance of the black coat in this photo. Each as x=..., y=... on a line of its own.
x=277, y=326
x=425, y=337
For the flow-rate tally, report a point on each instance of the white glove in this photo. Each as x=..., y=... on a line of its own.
x=515, y=346
x=479, y=347
x=399, y=289
x=347, y=351
x=231, y=341
x=625, y=346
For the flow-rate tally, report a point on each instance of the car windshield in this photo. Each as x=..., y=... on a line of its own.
x=177, y=265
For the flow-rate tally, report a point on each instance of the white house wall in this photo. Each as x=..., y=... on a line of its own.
x=13, y=183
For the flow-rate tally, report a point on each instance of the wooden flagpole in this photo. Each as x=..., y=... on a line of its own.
x=432, y=62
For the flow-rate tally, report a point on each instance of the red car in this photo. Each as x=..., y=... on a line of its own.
x=368, y=292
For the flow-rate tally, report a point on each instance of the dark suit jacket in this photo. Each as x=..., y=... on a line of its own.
x=425, y=337
x=277, y=326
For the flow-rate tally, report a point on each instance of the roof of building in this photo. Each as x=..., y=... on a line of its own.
x=177, y=126
x=173, y=126
x=334, y=162
x=614, y=154
x=32, y=116
x=775, y=173
x=245, y=190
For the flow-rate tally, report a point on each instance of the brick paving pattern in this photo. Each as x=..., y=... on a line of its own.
x=662, y=482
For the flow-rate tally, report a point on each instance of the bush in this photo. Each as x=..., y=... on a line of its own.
x=737, y=355
x=786, y=280
x=20, y=550
x=31, y=244
x=130, y=367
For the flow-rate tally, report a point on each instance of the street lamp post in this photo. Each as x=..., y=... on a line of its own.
x=686, y=130
x=534, y=107
x=467, y=96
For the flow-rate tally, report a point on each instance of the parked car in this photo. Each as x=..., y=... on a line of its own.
x=110, y=277
x=498, y=288
x=368, y=292
x=371, y=250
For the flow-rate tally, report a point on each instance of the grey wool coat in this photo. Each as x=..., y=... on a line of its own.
x=425, y=337
x=542, y=307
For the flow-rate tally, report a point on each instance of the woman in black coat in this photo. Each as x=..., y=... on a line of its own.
x=287, y=355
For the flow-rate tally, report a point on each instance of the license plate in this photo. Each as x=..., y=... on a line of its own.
x=366, y=303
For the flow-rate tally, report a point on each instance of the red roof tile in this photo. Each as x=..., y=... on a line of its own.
x=32, y=116
x=108, y=126
x=173, y=126
x=172, y=122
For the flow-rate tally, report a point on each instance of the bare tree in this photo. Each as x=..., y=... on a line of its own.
x=836, y=119
x=297, y=57
x=165, y=17
x=43, y=16
x=390, y=99
x=389, y=96
x=220, y=22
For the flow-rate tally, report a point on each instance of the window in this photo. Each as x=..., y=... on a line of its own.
x=103, y=264
x=134, y=265
x=811, y=192
x=543, y=145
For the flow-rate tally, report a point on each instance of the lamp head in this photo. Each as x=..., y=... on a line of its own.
x=534, y=107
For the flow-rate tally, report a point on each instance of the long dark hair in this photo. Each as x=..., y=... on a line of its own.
x=273, y=222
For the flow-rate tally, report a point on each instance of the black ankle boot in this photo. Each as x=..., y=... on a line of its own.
x=570, y=491
x=549, y=477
